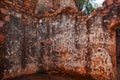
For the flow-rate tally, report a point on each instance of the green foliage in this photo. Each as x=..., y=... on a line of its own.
x=87, y=5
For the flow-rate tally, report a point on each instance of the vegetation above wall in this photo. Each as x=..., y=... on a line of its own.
x=87, y=5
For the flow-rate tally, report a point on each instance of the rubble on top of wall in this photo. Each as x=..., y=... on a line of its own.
x=37, y=9
x=110, y=2
x=108, y=12
x=34, y=9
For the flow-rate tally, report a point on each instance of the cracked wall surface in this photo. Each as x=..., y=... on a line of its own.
x=57, y=38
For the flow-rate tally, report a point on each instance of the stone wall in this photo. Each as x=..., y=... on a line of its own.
x=57, y=38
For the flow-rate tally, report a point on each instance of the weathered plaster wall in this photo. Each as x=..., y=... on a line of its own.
x=60, y=40
x=101, y=43
x=21, y=49
x=64, y=45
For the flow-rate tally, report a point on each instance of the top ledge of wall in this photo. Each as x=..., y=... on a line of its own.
x=37, y=9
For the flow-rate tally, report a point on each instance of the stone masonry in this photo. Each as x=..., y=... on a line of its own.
x=52, y=35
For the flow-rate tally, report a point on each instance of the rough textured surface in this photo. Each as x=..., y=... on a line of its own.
x=51, y=77
x=58, y=39
x=41, y=77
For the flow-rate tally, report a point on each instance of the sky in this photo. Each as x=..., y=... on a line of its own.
x=99, y=1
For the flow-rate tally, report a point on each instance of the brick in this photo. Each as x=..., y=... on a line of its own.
x=85, y=16
x=1, y=23
x=118, y=1
x=7, y=18
x=103, y=14
x=109, y=2
x=106, y=11
x=73, y=10
x=27, y=3
x=4, y=11
x=2, y=38
x=35, y=11
x=93, y=13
